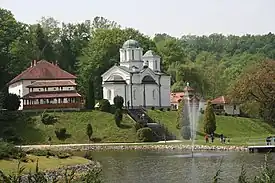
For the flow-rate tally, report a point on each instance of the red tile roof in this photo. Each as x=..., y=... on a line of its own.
x=43, y=70
x=176, y=97
x=51, y=83
x=221, y=100
x=60, y=94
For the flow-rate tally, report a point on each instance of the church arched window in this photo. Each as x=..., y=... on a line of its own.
x=133, y=54
x=134, y=94
x=154, y=93
x=109, y=94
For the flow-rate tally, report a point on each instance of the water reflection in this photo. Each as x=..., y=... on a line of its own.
x=176, y=166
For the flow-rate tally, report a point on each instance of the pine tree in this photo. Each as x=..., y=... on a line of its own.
x=209, y=119
x=90, y=98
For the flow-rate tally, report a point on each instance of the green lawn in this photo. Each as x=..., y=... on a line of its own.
x=33, y=131
x=240, y=130
x=10, y=166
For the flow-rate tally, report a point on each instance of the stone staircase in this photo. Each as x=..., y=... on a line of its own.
x=160, y=132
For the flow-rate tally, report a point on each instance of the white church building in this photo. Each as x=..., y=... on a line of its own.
x=137, y=78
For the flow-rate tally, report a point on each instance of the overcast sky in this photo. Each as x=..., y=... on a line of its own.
x=174, y=17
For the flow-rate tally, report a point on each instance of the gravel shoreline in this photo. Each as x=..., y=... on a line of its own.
x=156, y=147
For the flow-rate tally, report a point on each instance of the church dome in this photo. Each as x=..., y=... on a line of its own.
x=131, y=44
x=150, y=53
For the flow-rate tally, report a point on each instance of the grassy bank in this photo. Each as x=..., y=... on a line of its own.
x=242, y=131
x=33, y=131
x=9, y=166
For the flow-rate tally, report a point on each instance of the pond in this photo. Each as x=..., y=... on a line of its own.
x=177, y=166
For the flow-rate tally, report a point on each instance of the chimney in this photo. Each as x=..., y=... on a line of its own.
x=34, y=63
x=56, y=63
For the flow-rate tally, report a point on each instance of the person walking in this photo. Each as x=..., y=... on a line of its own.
x=206, y=138
x=212, y=137
x=221, y=138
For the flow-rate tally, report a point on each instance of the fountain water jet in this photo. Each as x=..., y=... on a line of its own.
x=190, y=115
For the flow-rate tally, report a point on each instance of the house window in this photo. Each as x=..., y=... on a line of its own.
x=235, y=107
x=156, y=65
x=133, y=54
x=61, y=88
x=109, y=94
x=19, y=92
x=61, y=100
x=134, y=94
x=154, y=94
x=39, y=89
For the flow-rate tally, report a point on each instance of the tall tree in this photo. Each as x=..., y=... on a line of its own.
x=209, y=119
x=258, y=84
x=90, y=97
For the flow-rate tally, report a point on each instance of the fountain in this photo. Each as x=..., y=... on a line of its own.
x=191, y=116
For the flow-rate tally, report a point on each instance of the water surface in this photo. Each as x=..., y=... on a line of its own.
x=176, y=166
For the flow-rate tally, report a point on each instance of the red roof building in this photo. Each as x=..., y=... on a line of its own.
x=223, y=105
x=45, y=85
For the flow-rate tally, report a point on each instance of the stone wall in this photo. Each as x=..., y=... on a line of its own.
x=59, y=173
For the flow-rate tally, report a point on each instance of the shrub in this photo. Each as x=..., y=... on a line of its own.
x=138, y=126
x=118, y=117
x=89, y=131
x=153, y=108
x=161, y=109
x=11, y=102
x=62, y=155
x=40, y=152
x=88, y=155
x=118, y=102
x=10, y=135
x=8, y=150
x=104, y=105
x=145, y=134
x=61, y=133
x=168, y=109
x=48, y=119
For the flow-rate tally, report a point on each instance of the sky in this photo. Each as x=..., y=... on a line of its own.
x=174, y=17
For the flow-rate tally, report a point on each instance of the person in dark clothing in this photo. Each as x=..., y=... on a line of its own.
x=212, y=137
x=221, y=138
x=268, y=141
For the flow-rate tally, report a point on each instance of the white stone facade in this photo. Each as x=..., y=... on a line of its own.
x=137, y=79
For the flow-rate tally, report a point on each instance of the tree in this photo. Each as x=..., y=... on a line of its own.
x=209, y=119
x=257, y=84
x=118, y=102
x=90, y=101
x=180, y=114
x=89, y=131
x=11, y=102
x=118, y=117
